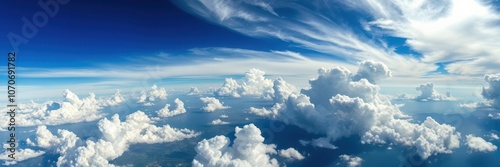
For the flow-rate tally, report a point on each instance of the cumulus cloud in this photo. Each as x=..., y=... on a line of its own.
x=116, y=99
x=479, y=144
x=248, y=149
x=212, y=104
x=71, y=110
x=254, y=84
x=218, y=122
x=352, y=161
x=372, y=71
x=179, y=109
x=492, y=92
x=193, y=91
x=154, y=93
x=291, y=154
x=224, y=116
x=428, y=93
x=338, y=104
x=21, y=155
x=494, y=136
x=117, y=136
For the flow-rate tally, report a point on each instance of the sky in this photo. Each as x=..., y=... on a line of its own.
x=211, y=80
x=89, y=47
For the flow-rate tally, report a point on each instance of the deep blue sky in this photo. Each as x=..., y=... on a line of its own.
x=89, y=32
x=124, y=38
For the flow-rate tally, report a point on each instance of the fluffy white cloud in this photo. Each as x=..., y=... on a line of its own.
x=372, y=71
x=428, y=93
x=117, y=136
x=352, y=161
x=479, y=144
x=21, y=155
x=154, y=93
x=61, y=143
x=248, y=149
x=254, y=84
x=494, y=136
x=116, y=99
x=291, y=154
x=212, y=104
x=71, y=110
x=179, y=109
x=193, y=91
x=339, y=105
x=492, y=92
x=224, y=116
x=218, y=122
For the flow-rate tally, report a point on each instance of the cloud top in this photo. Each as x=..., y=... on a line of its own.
x=212, y=104
x=248, y=149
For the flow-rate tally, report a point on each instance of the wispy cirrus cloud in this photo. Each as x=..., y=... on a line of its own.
x=461, y=33
x=317, y=26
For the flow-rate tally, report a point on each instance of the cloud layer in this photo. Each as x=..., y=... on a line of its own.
x=71, y=110
x=117, y=136
x=248, y=149
x=340, y=104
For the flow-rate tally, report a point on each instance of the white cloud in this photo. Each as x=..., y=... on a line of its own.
x=179, y=109
x=317, y=27
x=117, y=99
x=117, y=136
x=212, y=104
x=491, y=93
x=428, y=93
x=319, y=142
x=352, y=161
x=441, y=31
x=193, y=91
x=61, y=143
x=372, y=71
x=338, y=106
x=248, y=149
x=71, y=110
x=479, y=144
x=218, y=122
x=496, y=116
x=224, y=116
x=21, y=155
x=154, y=93
x=291, y=154
x=494, y=136
x=254, y=84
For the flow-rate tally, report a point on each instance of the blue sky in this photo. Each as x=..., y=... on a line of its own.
x=350, y=80
x=89, y=47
